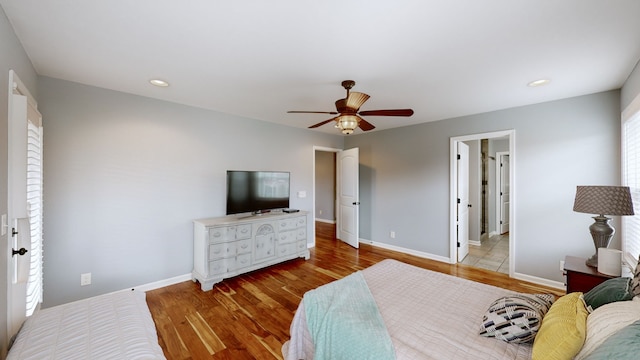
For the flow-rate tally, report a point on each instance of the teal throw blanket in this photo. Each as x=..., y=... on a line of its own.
x=345, y=323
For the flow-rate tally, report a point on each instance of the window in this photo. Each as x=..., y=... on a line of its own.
x=34, y=209
x=25, y=179
x=631, y=178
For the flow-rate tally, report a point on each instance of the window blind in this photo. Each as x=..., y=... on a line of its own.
x=631, y=178
x=34, y=210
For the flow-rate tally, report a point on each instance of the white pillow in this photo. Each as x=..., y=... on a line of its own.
x=606, y=321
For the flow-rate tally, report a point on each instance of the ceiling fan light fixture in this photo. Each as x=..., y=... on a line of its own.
x=347, y=123
x=349, y=114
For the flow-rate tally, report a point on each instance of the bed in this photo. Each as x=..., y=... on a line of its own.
x=111, y=326
x=430, y=315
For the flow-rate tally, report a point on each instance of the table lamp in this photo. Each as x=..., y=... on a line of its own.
x=602, y=200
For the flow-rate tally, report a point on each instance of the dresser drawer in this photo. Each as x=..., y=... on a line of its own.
x=229, y=233
x=217, y=267
x=243, y=260
x=286, y=249
x=293, y=223
x=301, y=221
x=243, y=246
x=222, y=250
x=301, y=234
x=243, y=231
x=302, y=245
x=285, y=237
x=221, y=234
x=286, y=224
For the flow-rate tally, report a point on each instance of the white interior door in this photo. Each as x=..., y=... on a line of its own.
x=17, y=212
x=463, y=201
x=503, y=192
x=348, y=197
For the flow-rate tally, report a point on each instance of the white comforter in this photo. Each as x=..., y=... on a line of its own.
x=428, y=315
x=113, y=326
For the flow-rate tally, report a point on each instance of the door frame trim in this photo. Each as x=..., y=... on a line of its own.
x=453, y=143
x=15, y=87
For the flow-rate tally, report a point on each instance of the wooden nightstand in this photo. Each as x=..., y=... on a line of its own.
x=581, y=277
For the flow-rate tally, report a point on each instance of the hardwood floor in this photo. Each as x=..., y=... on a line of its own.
x=248, y=316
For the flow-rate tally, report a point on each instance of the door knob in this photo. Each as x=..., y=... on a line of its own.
x=22, y=251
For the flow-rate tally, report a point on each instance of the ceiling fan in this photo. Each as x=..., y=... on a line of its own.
x=349, y=117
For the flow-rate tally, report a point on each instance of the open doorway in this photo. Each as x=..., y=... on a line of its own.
x=325, y=187
x=487, y=227
x=336, y=191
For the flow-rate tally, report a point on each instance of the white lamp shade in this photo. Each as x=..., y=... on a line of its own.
x=610, y=261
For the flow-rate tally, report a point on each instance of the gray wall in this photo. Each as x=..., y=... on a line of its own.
x=559, y=144
x=125, y=176
x=325, y=185
x=12, y=56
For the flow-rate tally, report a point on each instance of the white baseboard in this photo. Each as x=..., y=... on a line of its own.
x=325, y=221
x=475, y=242
x=161, y=283
x=532, y=279
x=540, y=281
x=407, y=251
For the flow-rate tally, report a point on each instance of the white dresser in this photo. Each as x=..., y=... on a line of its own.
x=230, y=245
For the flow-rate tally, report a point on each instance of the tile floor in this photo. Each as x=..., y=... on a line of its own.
x=493, y=254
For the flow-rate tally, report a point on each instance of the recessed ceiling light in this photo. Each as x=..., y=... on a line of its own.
x=159, y=83
x=539, y=82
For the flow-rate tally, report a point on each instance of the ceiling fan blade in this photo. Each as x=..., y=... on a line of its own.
x=311, y=112
x=356, y=99
x=321, y=123
x=393, y=112
x=365, y=125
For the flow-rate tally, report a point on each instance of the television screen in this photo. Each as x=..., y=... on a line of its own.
x=256, y=191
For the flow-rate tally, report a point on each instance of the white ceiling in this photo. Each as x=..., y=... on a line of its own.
x=258, y=59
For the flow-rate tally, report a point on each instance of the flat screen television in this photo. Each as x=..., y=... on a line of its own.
x=256, y=191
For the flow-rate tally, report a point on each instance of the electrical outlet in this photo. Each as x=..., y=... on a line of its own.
x=561, y=265
x=319, y=212
x=85, y=279
x=392, y=234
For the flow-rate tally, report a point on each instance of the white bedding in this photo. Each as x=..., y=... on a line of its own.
x=428, y=315
x=112, y=326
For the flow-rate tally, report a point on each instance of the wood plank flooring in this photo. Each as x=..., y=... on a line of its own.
x=248, y=316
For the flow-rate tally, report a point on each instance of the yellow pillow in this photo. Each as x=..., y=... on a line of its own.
x=563, y=329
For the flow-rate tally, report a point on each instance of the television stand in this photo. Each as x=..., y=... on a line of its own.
x=227, y=246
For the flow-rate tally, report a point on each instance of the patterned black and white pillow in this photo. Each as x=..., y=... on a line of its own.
x=635, y=283
x=516, y=318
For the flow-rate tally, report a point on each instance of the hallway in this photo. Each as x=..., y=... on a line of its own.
x=493, y=254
